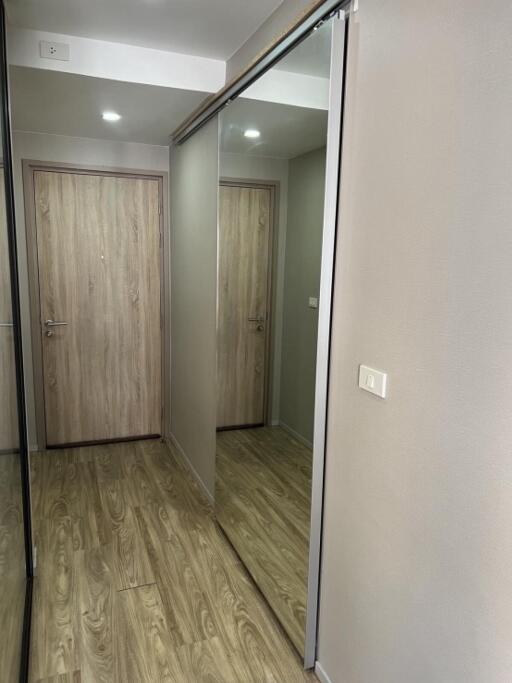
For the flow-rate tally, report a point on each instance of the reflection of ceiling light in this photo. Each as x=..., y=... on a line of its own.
x=110, y=116
x=252, y=133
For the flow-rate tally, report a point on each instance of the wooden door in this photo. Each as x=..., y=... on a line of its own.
x=243, y=294
x=98, y=245
x=8, y=399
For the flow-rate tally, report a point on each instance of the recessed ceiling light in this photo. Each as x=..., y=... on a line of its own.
x=110, y=116
x=252, y=133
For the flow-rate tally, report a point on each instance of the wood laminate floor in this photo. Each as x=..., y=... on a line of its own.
x=136, y=583
x=12, y=566
x=263, y=502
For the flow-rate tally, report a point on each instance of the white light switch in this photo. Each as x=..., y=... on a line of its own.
x=373, y=381
x=313, y=302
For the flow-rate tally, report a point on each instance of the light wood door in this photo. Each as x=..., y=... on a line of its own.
x=8, y=399
x=242, y=326
x=98, y=245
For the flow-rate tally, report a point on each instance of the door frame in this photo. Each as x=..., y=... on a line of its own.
x=274, y=187
x=30, y=166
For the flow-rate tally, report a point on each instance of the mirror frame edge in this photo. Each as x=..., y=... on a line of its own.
x=18, y=346
x=337, y=91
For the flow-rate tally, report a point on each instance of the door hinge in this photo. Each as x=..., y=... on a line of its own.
x=34, y=559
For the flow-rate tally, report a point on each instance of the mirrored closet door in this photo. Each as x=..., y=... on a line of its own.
x=14, y=527
x=12, y=550
x=276, y=140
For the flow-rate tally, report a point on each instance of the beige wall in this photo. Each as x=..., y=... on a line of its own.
x=306, y=190
x=194, y=199
x=266, y=168
x=82, y=152
x=417, y=550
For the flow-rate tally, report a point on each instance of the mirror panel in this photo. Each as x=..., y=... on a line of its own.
x=271, y=213
x=12, y=544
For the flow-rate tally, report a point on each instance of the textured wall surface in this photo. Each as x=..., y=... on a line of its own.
x=417, y=545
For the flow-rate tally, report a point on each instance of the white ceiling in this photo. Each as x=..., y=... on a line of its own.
x=286, y=131
x=207, y=28
x=69, y=104
x=312, y=57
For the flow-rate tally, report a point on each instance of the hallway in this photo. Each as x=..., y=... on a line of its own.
x=135, y=581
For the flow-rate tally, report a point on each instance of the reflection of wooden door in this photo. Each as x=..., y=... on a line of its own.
x=8, y=400
x=243, y=272
x=98, y=244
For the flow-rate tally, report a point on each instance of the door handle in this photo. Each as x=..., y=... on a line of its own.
x=54, y=323
x=257, y=319
x=6, y=324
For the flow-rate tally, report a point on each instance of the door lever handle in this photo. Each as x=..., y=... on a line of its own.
x=54, y=323
x=257, y=319
x=6, y=324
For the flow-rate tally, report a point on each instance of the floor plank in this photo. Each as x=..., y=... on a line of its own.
x=95, y=599
x=144, y=651
x=206, y=661
x=131, y=565
x=185, y=602
x=55, y=650
x=12, y=566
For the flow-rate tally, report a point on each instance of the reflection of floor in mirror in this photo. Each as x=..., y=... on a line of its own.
x=136, y=582
x=12, y=566
x=263, y=500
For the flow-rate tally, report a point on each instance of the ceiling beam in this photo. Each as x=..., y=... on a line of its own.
x=118, y=61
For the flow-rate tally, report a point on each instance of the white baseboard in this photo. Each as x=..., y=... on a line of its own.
x=296, y=435
x=320, y=674
x=174, y=442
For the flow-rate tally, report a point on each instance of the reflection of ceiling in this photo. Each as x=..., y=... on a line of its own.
x=69, y=104
x=198, y=27
x=311, y=57
x=270, y=105
x=286, y=131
